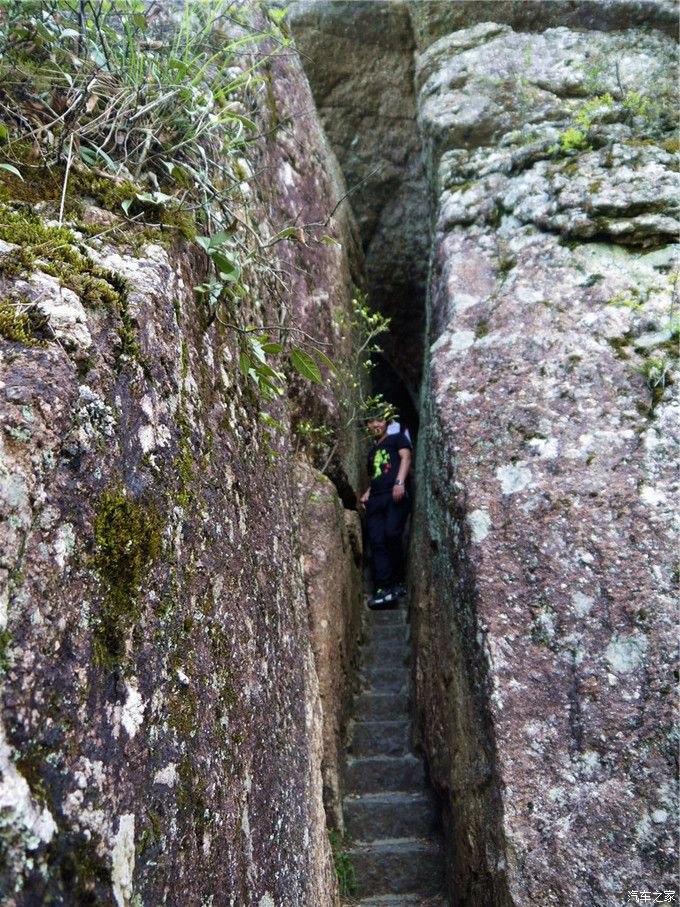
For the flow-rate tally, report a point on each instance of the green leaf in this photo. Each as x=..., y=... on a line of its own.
x=12, y=170
x=266, y=371
x=154, y=198
x=271, y=422
x=323, y=358
x=256, y=350
x=284, y=234
x=125, y=205
x=305, y=365
x=246, y=122
x=272, y=349
x=219, y=239
x=277, y=15
x=227, y=267
x=244, y=363
x=268, y=388
x=204, y=242
x=329, y=241
x=88, y=156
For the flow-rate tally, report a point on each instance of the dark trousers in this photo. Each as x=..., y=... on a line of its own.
x=385, y=522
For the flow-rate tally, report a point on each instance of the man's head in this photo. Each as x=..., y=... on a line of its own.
x=379, y=417
x=377, y=427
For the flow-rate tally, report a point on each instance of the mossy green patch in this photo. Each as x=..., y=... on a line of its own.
x=185, y=358
x=128, y=538
x=39, y=183
x=621, y=345
x=30, y=763
x=43, y=183
x=17, y=262
x=5, y=640
x=22, y=321
x=53, y=250
x=183, y=711
x=192, y=795
x=271, y=100
x=184, y=461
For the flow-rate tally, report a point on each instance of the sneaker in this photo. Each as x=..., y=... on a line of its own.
x=383, y=598
x=399, y=590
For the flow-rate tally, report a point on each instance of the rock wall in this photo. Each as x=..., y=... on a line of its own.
x=542, y=551
x=162, y=737
x=332, y=559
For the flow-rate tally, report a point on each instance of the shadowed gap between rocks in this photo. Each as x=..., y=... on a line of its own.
x=359, y=58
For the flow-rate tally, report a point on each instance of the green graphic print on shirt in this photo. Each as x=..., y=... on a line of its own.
x=384, y=461
x=380, y=460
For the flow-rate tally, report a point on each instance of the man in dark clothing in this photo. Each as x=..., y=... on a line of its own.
x=387, y=506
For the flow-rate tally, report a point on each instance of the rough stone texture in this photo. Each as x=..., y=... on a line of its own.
x=331, y=553
x=432, y=18
x=359, y=59
x=161, y=736
x=543, y=542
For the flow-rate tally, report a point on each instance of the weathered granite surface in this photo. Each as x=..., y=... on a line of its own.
x=332, y=559
x=432, y=18
x=162, y=732
x=543, y=546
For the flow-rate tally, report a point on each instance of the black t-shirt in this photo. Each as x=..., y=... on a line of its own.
x=384, y=461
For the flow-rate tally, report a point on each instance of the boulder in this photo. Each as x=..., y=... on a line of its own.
x=162, y=738
x=543, y=540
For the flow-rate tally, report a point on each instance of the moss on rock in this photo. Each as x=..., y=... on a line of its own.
x=128, y=539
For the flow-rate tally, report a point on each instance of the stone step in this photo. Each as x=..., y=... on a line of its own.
x=386, y=678
x=392, y=653
x=402, y=900
x=393, y=617
x=381, y=706
x=381, y=738
x=385, y=773
x=398, y=867
x=387, y=632
x=372, y=817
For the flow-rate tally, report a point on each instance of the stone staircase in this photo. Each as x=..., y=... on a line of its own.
x=391, y=817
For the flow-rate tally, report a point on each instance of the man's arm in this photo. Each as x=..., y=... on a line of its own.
x=398, y=491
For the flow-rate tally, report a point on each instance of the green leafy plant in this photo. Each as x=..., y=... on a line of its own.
x=312, y=437
x=576, y=137
x=107, y=91
x=344, y=870
x=350, y=378
x=657, y=371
